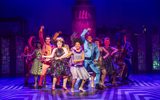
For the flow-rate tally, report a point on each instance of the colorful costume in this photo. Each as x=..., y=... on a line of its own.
x=59, y=67
x=78, y=70
x=37, y=65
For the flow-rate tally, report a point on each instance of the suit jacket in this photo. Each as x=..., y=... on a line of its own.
x=93, y=52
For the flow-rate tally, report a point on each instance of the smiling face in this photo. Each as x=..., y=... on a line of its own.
x=48, y=40
x=77, y=45
x=89, y=39
x=59, y=44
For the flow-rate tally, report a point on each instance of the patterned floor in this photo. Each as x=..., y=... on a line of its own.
x=143, y=87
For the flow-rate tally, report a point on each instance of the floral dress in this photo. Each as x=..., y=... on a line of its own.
x=37, y=64
x=59, y=67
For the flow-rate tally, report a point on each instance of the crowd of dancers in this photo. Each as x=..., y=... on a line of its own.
x=88, y=60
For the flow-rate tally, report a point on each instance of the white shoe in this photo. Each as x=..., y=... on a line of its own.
x=72, y=89
x=82, y=90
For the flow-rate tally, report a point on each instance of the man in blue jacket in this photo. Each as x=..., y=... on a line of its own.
x=91, y=55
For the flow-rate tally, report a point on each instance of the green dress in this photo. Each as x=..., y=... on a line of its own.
x=37, y=64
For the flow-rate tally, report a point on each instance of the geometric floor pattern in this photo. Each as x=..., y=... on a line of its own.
x=142, y=87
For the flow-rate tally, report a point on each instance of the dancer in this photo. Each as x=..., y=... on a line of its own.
x=28, y=59
x=37, y=65
x=128, y=49
x=77, y=69
x=103, y=55
x=27, y=64
x=119, y=60
x=46, y=50
x=108, y=61
x=91, y=56
x=59, y=66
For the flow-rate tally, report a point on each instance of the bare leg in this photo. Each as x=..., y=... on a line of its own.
x=82, y=84
x=92, y=81
x=54, y=83
x=35, y=80
x=65, y=78
x=73, y=84
x=103, y=76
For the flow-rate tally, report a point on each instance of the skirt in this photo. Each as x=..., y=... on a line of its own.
x=36, y=67
x=79, y=72
x=59, y=68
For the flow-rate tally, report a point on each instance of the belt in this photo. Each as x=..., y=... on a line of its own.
x=76, y=65
x=88, y=58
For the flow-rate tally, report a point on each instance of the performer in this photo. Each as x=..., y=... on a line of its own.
x=59, y=65
x=108, y=60
x=27, y=64
x=103, y=55
x=28, y=59
x=119, y=60
x=46, y=50
x=91, y=55
x=68, y=49
x=128, y=49
x=77, y=69
x=37, y=65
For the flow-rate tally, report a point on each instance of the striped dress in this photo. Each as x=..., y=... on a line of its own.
x=78, y=70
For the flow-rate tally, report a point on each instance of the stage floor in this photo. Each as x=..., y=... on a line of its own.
x=143, y=87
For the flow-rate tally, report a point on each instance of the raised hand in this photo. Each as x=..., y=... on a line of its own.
x=89, y=29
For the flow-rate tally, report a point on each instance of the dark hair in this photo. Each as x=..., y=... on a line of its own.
x=47, y=36
x=37, y=44
x=77, y=40
x=98, y=39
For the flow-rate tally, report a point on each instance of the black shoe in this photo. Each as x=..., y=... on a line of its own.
x=26, y=84
x=99, y=87
x=39, y=87
x=58, y=86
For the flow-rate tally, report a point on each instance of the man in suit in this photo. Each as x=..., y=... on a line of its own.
x=91, y=55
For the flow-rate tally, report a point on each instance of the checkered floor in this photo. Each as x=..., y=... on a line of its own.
x=143, y=87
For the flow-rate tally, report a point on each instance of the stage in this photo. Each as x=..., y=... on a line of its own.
x=142, y=87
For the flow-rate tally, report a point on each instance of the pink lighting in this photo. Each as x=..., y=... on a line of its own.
x=83, y=17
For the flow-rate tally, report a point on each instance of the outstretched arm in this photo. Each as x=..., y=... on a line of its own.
x=107, y=53
x=27, y=55
x=84, y=33
x=52, y=55
x=56, y=35
x=41, y=38
x=30, y=40
x=114, y=51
